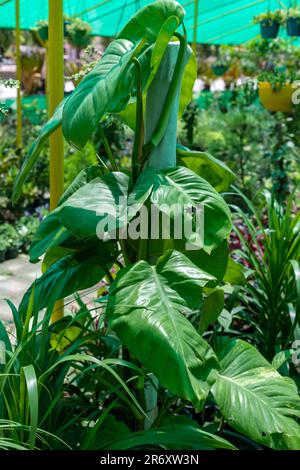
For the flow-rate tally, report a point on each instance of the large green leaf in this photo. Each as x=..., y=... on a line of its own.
x=187, y=84
x=91, y=190
x=51, y=232
x=163, y=38
x=178, y=433
x=106, y=88
x=35, y=150
x=203, y=164
x=141, y=191
x=72, y=273
x=214, y=263
x=181, y=186
x=148, y=21
x=146, y=307
x=212, y=307
x=128, y=115
x=84, y=177
x=104, y=198
x=156, y=23
x=255, y=399
x=234, y=273
x=97, y=200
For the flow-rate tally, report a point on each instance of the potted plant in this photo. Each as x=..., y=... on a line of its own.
x=42, y=29
x=219, y=67
x=32, y=61
x=269, y=23
x=293, y=22
x=78, y=34
x=275, y=91
x=12, y=240
x=3, y=247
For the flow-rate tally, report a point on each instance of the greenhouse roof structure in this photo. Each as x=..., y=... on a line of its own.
x=218, y=21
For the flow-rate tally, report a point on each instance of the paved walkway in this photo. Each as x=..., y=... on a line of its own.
x=15, y=277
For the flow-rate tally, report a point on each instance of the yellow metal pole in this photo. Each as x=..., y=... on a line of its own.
x=194, y=45
x=47, y=76
x=56, y=95
x=18, y=75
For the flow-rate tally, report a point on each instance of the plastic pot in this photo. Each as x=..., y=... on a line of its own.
x=43, y=33
x=280, y=100
x=79, y=39
x=269, y=30
x=293, y=26
x=12, y=253
x=219, y=70
x=66, y=23
x=2, y=256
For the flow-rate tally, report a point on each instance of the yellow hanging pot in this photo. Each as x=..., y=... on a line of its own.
x=280, y=100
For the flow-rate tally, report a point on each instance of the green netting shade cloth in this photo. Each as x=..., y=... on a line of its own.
x=218, y=22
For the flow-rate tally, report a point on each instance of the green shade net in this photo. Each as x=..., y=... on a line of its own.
x=218, y=22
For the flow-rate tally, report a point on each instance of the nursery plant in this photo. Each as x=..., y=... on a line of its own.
x=3, y=248
x=12, y=240
x=42, y=29
x=78, y=33
x=269, y=23
x=219, y=67
x=270, y=246
x=293, y=22
x=166, y=290
x=276, y=90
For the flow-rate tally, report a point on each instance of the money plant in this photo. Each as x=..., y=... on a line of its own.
x=168, y=289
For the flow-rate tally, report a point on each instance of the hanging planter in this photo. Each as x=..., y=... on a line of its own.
x=219, y=69
x=43, y=30
x=269, y=23
x=78, y=33
x=269, y=30
x=293, y=23
x=276, y=99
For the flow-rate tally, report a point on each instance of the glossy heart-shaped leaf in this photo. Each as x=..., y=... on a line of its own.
x=106, y=88
x=203, y=164
x=104, y=199
x=146, y=307
x=182, y=187
x=74, y=272
x=51, y=232
x=101, y=199
x=148, y=21
x=255, y=399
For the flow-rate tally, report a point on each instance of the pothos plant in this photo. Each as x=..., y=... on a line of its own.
x=164, y=296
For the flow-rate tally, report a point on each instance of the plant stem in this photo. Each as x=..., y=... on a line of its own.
x=125, y=253
x=108, y=275
x=143, y=249
x=111, y=159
